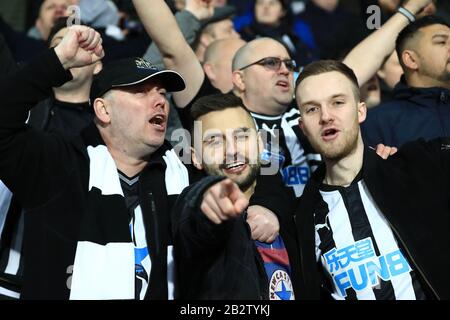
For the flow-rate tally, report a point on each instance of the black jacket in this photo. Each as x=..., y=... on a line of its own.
x=412, y=190
x=50, y=115
x=221, y=261
x=8, y=64
x=214, y=261
x=65, y=118
x=413, y=113
x=50, y=177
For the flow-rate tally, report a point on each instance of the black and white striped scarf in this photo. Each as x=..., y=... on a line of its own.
x=104, y=266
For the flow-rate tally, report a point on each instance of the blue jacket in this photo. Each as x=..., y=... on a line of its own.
x=412, y=114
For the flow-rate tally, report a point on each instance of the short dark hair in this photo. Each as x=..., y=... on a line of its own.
x=215, y=102
x=410, y=31
x=324, y=66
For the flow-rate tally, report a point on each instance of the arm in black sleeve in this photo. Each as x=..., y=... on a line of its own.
x=271, y=193
x=7, y=63
x=23, y=89
x=193, y=232
x=30, y=161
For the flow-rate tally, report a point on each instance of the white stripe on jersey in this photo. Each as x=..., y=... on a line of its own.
x=297, y=153
x=357, y=264
x=16, y=249
x=381, y=230
x=140, y=243
x=299, y=162
x=5, y=201
x=9, y=293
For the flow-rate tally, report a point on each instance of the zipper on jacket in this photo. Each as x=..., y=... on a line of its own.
x=155, y=222
x=442, y=99
x=413, y=261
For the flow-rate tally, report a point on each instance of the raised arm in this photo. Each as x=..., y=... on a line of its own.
x=26, y=155
x=189, y=25
x=367, y=57
x=177, y=55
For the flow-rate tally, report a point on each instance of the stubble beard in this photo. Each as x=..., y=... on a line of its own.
x=338, y=150
x=245, y=183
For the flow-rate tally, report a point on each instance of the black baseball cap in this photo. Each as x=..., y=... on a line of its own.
x=132, y=71
x=220, y=13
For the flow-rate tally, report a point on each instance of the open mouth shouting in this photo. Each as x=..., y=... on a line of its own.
x=158, y=121
x=330, y=134
x=283, y=85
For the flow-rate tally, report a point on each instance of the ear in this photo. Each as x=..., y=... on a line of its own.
x=40, y=27
x=238, y=80
x=196, y=159
x=205, y=40
x=260, y=143
x=98, y=67
x=362, y=112
x=301, y=125
x=381, y=74
x=101, y=110
x=38, y=23
x=208, y=69
x=410, y=59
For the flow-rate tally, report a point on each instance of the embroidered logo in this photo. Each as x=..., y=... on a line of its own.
x=144, y=64
x=280, y=287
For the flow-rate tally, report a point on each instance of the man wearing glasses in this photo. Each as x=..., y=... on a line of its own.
x=263, y=77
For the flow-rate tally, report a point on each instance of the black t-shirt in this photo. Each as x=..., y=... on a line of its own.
x=130, y=187
x=69, y=118
x=65, y=118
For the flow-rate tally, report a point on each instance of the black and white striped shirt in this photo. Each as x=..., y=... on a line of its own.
x=11, y=239
x=142, y=262
x=358, y=249
x=283, y=144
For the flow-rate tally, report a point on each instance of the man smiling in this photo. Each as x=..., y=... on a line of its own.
x=216, y=256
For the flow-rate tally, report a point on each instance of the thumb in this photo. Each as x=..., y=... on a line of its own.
x=241, y=203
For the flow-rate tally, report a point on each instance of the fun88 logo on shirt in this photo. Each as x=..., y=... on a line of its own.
x=357, y=266
x=295, y=175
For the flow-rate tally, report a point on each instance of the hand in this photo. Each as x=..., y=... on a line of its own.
x=80, y=46
x=201, y=9
x=263, y=224
x=416, y=6
x=223, y=201
x=385, y=151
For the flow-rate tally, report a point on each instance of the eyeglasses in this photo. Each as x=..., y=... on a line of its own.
x=274, y=63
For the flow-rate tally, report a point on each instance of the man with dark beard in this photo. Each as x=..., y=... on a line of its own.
x=368, y=221
x=421, y=100
x=216, y=256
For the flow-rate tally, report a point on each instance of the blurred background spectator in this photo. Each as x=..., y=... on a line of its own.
x=274, y=19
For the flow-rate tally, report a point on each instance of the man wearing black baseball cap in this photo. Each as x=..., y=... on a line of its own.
x=129, y=101
x=96, y=206
x=133, y=71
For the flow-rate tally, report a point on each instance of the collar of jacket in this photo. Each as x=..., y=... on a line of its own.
x=370, y=161
x=403, y=91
